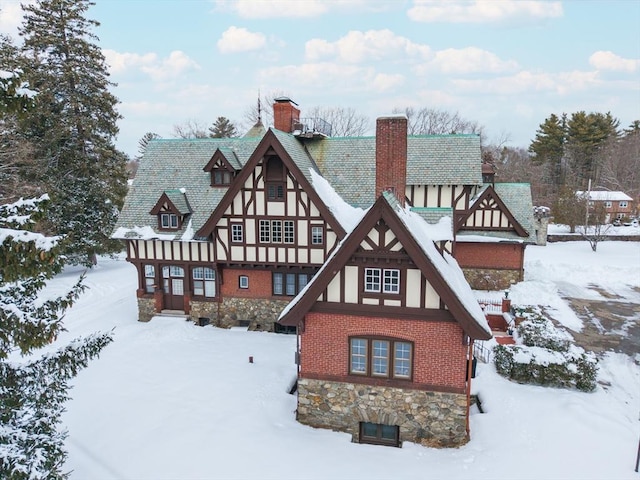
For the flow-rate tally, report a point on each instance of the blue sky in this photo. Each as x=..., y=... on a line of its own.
x=505, y=64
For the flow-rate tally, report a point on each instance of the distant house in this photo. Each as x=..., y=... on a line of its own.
x=230, y=230
x=617, y=205
x=386, y=331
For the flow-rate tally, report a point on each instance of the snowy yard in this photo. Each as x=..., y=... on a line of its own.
x=170, y=400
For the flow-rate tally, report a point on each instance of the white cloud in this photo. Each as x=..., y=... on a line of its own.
x=11, y=16
x=236, y=39
x=383, y=82
x=298, y=8
x=469, y=60
x=158, y=69
x=482, y=11
x=527, y=83
x=357, y=46
x=610, y=61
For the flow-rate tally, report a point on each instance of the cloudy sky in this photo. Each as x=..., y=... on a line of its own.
x=503, y=63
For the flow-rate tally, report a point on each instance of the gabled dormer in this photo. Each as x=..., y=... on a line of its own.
x=223, y=167
x=172, y=209
x=488, y=212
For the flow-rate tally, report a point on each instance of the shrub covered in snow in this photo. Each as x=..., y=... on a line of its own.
x=546, y=356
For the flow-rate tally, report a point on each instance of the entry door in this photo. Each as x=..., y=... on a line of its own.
x=173, y=286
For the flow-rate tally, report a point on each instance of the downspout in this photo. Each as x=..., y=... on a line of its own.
x=469, y=371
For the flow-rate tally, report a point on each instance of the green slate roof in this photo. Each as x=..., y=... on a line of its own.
x=347, y=163
x=179, y=200
x=517, y=198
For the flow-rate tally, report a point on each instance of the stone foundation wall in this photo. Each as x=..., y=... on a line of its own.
x=489, y=279
x=261, y=314
x=146, y=309
x=434, y=419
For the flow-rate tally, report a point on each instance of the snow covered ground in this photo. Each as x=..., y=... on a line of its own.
x=170, y=400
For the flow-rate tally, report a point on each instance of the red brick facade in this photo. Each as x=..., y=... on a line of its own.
x=507, y=256
x=259, y=284
x=391, y=155
x=439, y=355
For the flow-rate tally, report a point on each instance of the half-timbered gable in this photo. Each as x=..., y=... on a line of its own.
x=272, y=215
x=172, y=209
x=488, y=212
x=390, y=317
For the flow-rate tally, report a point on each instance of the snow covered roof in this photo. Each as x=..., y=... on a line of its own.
x=447, y=278
x=605, y=195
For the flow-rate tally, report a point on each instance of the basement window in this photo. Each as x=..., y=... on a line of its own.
x=379, y=434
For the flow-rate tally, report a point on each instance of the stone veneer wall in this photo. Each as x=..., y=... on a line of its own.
x=490, y=279
x=261, y=313
x=434, y=419
x=146, y=309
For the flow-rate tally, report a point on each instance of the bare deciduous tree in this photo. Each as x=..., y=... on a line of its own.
x=190, y=129
x=345, y=122
x=430, y=121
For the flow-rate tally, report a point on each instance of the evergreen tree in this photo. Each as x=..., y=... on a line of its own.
x=73, y=124
x=143, y=142
x=548, y=147
x=33, y=392
x=223, y=128
x=586, y=136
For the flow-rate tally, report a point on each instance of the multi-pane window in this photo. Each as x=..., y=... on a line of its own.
x=237, y=232
x=271, y=231
x=391, y=280
x=275, y=191
x=149, y=278
x=168, y=220
x=221, y=177
x=607, y=204
x=380, y=358
x=289, y=231
x=265, y=231
x=204, y=282
x=378, y=280
x=379, y=434
x=317, y=235
x=289, y=284
x=624, y=204
x=276, y=231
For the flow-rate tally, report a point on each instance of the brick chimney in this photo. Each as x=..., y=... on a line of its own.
x=391, y=156
x=285, y=114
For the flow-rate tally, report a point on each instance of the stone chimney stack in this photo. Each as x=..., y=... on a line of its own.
x=391, y=156
x=285, y=114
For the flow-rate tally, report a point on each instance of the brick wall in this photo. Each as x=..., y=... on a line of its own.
x=439, y=354
x=284, y=114
x=391, y=155
x=259, y=283
x=490, y=255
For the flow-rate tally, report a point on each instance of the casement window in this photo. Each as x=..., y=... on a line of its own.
x=379, y=280
x=289, y=284
x=607, y=204
x=149, y=278
x=378, y=357
x=275, y=192
x=221, y=177
x=317, y=235
x=168, y=221
x=624, y=204
x=243, y=282
x=289, y=231
x=237, y=233
x=204, y=282
x=271, y=231
x=379, y=434
x=276, y=231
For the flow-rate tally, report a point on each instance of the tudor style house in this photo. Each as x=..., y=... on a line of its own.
x=386, y=331
x=229, y=230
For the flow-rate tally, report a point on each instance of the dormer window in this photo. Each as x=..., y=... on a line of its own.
x=223, y=166
x=171, y=209
x=168, y=221
x=220, y=177
x=275, y=179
